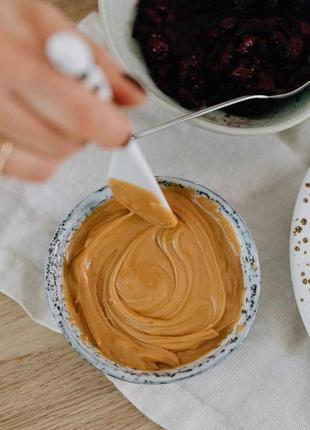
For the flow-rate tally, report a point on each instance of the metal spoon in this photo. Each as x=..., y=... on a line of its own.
x=218, y=106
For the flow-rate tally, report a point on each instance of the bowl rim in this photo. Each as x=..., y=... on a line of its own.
x=53, y=288
x=299, y=260
x=281, y=125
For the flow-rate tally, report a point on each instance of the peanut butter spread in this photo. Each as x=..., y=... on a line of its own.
x=143, y=203
x=149, y=297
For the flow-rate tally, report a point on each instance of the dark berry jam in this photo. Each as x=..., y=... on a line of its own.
x=202, y=52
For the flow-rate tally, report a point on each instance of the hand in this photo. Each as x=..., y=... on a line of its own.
x=46, y=115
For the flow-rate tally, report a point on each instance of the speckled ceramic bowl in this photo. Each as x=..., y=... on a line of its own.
x=53, y=282
x=117, y=18
x=300, y=251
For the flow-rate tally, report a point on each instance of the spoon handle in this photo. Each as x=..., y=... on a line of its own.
x=218, y=106
x=196, y=114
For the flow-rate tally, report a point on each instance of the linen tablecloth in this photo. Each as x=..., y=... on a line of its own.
x=265, y=384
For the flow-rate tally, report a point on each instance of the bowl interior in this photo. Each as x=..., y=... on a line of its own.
x=53, y=283
x=117, y=17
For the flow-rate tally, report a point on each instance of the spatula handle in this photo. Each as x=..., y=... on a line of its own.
x=70, y=54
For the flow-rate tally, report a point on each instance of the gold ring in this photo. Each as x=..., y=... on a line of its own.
x=6, y=149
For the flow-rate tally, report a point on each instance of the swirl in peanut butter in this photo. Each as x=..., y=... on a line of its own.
x=149, y=297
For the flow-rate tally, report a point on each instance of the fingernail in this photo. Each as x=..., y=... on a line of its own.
x=134, y=82
x=126, y=141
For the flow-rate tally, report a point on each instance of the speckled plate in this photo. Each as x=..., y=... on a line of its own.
x=300, y=251
x=53, y=283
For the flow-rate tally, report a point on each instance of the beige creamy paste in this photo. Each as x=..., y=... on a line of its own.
x=149, y=297
x=143, y=203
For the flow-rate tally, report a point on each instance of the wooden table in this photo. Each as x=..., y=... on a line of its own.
x=43, y=384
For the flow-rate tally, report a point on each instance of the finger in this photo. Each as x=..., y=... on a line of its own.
x=47, y=20
x=126, y=90
x=70, y=107
x=24, y=165
x=31, y=133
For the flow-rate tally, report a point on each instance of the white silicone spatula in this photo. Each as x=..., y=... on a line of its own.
x=71, y=55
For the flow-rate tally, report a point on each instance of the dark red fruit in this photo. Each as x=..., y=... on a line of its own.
x=270, y=6
x=304, y=28
x=188, y=100
x=228, y=23
x=162, y=76
x=279, y=44
x=295, y=47
x=244, y=71
x=265, y=83
x=157, y=48
x=224, y=28
x=244, y=6
x=214, y=34
x=200, y=55
x=189, y=66
x=225, y=60
x=250, y=26
x=247, y=43
x=301, y=6
x=154, y=17
x=273, y=23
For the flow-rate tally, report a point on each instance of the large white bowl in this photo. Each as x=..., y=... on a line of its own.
x=117, y=18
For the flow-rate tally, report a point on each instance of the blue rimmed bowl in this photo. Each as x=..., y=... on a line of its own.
x=53, y=285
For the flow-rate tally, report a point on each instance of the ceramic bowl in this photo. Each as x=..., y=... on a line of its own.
x=117, y=18
x=53, y=284
x=300, y=251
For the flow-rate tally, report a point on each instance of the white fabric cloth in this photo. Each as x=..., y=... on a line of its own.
x=265, y=384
